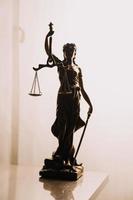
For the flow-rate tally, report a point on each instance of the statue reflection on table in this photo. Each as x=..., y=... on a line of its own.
x=63, y=164
x=61, y=189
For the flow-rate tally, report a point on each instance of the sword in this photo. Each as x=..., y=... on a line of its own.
x=81, y=139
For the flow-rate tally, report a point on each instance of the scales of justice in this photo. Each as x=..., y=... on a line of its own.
x=63, y=162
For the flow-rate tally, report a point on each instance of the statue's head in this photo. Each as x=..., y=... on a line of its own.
x=69, y=51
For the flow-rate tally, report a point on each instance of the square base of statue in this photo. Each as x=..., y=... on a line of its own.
x=62, y=174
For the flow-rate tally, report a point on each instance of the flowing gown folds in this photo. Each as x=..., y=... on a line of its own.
x=68, y=111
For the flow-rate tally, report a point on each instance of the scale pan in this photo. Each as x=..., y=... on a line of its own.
x=35, y=95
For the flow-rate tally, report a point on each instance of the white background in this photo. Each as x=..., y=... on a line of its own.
x=103, y=33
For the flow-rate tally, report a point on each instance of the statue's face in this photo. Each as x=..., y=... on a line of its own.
x=69, y=53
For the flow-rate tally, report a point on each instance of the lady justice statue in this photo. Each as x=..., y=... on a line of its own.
x=63, y=164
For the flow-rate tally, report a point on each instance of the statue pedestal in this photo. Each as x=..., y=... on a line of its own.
x=53, y=169
x=62, y=174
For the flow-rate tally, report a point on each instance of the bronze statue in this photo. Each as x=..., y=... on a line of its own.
x=68, y=119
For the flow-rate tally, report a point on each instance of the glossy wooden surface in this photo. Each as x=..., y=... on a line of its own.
x=22, y=183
